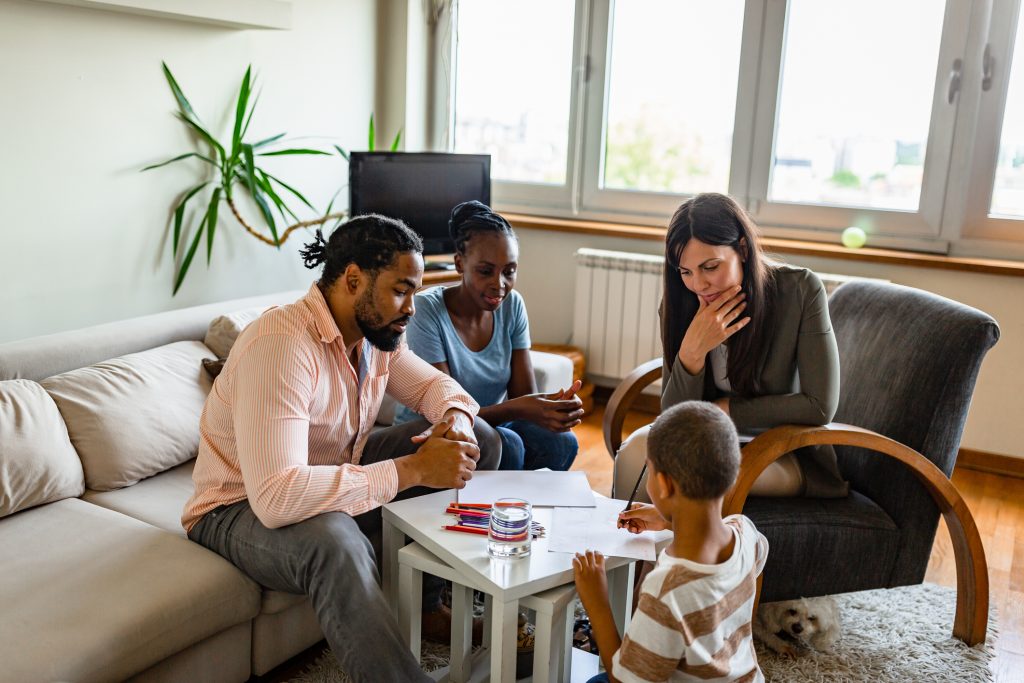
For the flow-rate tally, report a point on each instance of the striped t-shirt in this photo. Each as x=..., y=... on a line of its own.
x=692, y=622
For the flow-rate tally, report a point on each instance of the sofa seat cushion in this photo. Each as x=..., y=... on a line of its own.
x=802, y=528
x=278, y=601
x=89, y=594
x=134, y=416
x=38, y=464
x=158, y=500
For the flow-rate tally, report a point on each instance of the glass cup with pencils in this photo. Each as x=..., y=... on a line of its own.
x=509, y=532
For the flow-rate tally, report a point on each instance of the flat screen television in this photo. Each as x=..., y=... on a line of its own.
x=420, y=188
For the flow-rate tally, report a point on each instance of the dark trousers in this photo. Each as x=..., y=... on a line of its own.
x=332, y=558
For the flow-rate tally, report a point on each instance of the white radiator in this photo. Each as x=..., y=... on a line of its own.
x=615, y=320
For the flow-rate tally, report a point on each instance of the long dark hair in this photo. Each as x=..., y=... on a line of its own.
x=718, y=220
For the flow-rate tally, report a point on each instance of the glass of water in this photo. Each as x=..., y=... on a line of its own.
x=509, y=531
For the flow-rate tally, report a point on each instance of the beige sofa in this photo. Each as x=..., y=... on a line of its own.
x=98, y=435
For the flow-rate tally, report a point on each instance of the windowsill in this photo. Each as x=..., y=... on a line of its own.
x=784, y=246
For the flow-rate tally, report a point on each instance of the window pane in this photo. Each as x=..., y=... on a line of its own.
x=855, y=104
x=1008, y=190
x=672, y=94
x=513, y=86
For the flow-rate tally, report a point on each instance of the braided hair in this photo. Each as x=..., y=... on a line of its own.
x=371, y=241
x=470, y=218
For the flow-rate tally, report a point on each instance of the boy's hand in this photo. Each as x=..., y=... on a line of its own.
x=591, y=580
x=642, y=517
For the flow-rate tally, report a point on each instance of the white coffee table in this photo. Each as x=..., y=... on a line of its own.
x=505, y=581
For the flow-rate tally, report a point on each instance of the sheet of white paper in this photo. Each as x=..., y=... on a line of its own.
x=542, y=489
x=577, y=529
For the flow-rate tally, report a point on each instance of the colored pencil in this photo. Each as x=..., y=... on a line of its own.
x=465, y=529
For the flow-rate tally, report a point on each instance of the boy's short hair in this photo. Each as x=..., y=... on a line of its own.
x=695, y=444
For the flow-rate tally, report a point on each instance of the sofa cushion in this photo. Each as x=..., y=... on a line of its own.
x=134, y=416
x=224, y=329
x=38, y=464
x=89, y=594
x=157, y=500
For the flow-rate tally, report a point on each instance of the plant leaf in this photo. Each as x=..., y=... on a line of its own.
x=267, y=141
x=211, y=222
x=183, y=103
x=179, y=214
x=268, y=217
x=191, y=253
x=371, y=136
x=252, y=110
x=297, y=150
x=249, y=166
x=289, y=188
x=394, y=145
x=179, y=158
x=243, y=102
x=342, y=152
x=265, y=185
x=330, y=204
x=204, y=135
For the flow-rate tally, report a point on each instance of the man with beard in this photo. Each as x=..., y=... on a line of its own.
x=290, y=479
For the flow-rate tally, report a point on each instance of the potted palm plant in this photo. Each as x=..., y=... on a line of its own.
x=235, y=170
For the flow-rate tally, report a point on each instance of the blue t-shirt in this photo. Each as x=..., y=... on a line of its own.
x=484, y=374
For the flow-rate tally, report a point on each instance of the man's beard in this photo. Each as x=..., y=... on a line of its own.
x=371, y=324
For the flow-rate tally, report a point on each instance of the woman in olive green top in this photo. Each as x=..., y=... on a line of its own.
x=749, y=334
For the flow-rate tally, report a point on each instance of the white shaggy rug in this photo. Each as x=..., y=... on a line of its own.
x=897, y=635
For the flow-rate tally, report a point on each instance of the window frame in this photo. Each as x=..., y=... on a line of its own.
x=979, y=136
x=959, y=170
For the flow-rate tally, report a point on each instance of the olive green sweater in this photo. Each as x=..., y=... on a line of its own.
x=799, y=375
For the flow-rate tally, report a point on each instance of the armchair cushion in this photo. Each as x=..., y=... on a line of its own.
x=801, y=532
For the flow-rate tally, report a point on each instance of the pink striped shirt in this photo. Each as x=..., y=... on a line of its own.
x=286, y=421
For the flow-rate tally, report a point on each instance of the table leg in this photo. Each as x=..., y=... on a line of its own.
x=545, y=650
x=410, y=609
x=565, y=630
x=488, y=618
x=393, y=540
x=462, y=633
x=620, y=594
x=504, y=629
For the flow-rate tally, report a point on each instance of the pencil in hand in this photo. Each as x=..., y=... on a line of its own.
x=632, y=496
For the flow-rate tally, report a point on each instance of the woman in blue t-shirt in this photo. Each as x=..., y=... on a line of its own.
x=477, y=332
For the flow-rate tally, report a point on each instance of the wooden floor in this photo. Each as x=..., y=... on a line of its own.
x=997, y=504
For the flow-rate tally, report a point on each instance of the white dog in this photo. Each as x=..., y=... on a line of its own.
x=812, y=622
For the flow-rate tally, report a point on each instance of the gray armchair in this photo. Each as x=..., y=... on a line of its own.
x=909, y=363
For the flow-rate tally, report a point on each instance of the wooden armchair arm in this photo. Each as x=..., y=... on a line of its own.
x=971, y=619
x=622, y=399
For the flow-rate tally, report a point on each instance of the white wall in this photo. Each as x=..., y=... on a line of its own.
x=996, y=420
x=84, y=237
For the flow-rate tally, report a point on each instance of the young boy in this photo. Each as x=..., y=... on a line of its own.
x=692, y=621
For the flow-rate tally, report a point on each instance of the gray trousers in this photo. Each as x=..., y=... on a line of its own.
x=332, y=559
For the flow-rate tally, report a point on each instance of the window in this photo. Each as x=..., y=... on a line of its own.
x=513, y=87
x=670, y=129
x=855, y=103
x=904, y=118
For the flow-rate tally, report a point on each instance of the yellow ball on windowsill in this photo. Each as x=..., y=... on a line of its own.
x=854, y=238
